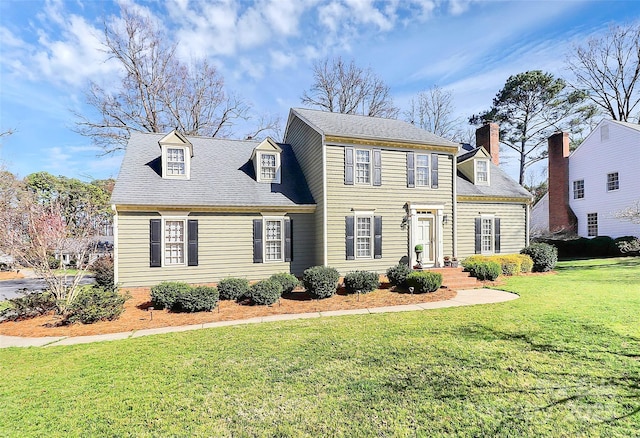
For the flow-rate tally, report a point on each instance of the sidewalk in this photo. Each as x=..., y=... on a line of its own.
x=463, y=298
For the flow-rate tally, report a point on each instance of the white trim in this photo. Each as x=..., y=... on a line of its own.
x=363, y=214
x=415, y=170
x=258, y=167
x=325, y=243
x=187, y=161
x=491, y=217
x=355, y=166
x=184, y=241
x=438, y=232
x=280, y=219
x=476, y=161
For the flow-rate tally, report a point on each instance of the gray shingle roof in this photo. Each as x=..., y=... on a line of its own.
x=374, y=128
x=221, y=175
x=501, y=185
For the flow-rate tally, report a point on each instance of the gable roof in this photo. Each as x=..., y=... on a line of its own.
x=501, y=186
x=222, y=175
x=627, y=124
x=365, y=127
x=472, y=153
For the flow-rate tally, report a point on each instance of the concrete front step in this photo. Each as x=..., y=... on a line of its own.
x=457, y=279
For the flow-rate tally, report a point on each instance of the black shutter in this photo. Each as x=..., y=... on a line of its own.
x=434, y=171
x=348, y=166
x=257, y=241
x=496, y=234
x=478, y=235
x=288, y=232
x=350, y=247
x=192, y=239
x=377, y=167
x=155, y=243
x=377, y=237
x=411, y=170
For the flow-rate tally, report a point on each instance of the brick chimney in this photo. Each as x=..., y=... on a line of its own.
x=561, y=217
x=488, y=136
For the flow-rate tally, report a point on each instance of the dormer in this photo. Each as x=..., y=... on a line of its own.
x=176, y=154
x=266, y=161
x=475, y=165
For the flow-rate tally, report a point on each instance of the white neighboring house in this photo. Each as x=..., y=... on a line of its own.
x=602, y=179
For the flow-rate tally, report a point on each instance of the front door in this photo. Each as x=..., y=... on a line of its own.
x=424, y=236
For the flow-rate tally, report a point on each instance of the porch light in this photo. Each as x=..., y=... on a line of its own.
x=445, y=218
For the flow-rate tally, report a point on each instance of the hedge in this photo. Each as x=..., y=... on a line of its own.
x=424, y=281
x=361, y=281
x=321, y=281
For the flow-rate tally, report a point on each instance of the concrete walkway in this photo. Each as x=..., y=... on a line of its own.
x=463, y=298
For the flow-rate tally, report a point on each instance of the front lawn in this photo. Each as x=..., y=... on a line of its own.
x=563, y=360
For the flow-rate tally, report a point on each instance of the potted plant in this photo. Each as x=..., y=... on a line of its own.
x=447, y=261
x=418, y=249
x=454, y=262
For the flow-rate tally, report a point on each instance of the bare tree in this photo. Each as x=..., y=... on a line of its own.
x=608, y=69
x=432, y=110
x=346, y=88
x=158, y=92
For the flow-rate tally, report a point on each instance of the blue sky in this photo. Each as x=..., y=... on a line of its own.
x=265, y=49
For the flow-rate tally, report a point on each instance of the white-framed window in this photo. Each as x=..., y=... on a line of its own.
x=363, y=166
x=273, y=239
x=613, y=183
x=174, y=241
x=482, y=172
x=364, y=236
x=578, y=189
x=486, y=235
x=422, y=170
x=592, y=224
x=268, y=166
x=175, y=161
x=604, y=132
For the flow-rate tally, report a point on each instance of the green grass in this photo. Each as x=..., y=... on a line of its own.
x=563, y=360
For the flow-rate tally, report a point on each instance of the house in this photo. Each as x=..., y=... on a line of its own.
x=347, y=191
x=588, y=186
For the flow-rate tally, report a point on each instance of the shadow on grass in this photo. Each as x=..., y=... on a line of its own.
x=632, y=262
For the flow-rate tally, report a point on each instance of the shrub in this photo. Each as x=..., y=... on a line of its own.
x=397, y=274
x=196, y=299
x=544, y=256
x=30, y=305
x=487, y=270
x=526, y=263
x=287, y=281
x=424, y=281
x=165, y=294
x=53, y=262
x=321, y=281
x=233, y=288
x=265, y=292
x=103, y=271
x=94, y=303
x=361, y=281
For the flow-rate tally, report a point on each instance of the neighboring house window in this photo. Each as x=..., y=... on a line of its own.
x=363, y=166
x=578, y=189
x=272, y=240
x=175, y=161
x=363, y=236
x=592, y=224
x=604, y=132
x=482, y=172
x=173, y=242
x=487, y=232
x=422, y=170
x=612, y=181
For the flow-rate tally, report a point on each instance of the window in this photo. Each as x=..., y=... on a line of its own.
x=487, y=235
x=273, y=240
x=592, y=224
x=578, y=189
x=604, y=132
x=175, y=161
x=422, y=170
x=363, y=166
x=612, y=181
x=482, y=172
x=268, y=165
x=363, y=237
x=174, y=242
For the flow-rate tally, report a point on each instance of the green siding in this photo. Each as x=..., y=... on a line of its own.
x=225, y=248
x=512, y=226
x=307, y=146
x=388, y=200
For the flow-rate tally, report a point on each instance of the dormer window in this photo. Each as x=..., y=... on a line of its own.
x=482, y=172
x=266, y=161
x=176, y=153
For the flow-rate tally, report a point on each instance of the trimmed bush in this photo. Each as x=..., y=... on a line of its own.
x=526, y=263
x=197, y=299
x=397, y=274
x=103, y=271
x=424, y=281
x=265, y=292
x=321, y=281
x=510, y=264
x=361, y=281
x=287, y=281
x=165, y=294
x=30, y=305
x=95, y=303
x=233, y=288
x=487, y=271
x=544, y=256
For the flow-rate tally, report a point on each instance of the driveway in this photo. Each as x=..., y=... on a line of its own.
x=10, y=288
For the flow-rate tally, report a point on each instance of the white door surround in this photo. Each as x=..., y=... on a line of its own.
x=425, y=227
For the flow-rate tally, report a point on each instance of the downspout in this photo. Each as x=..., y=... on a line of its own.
x=115, y=244
x=527, y=213
x=325, y=246
x=454, y=220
